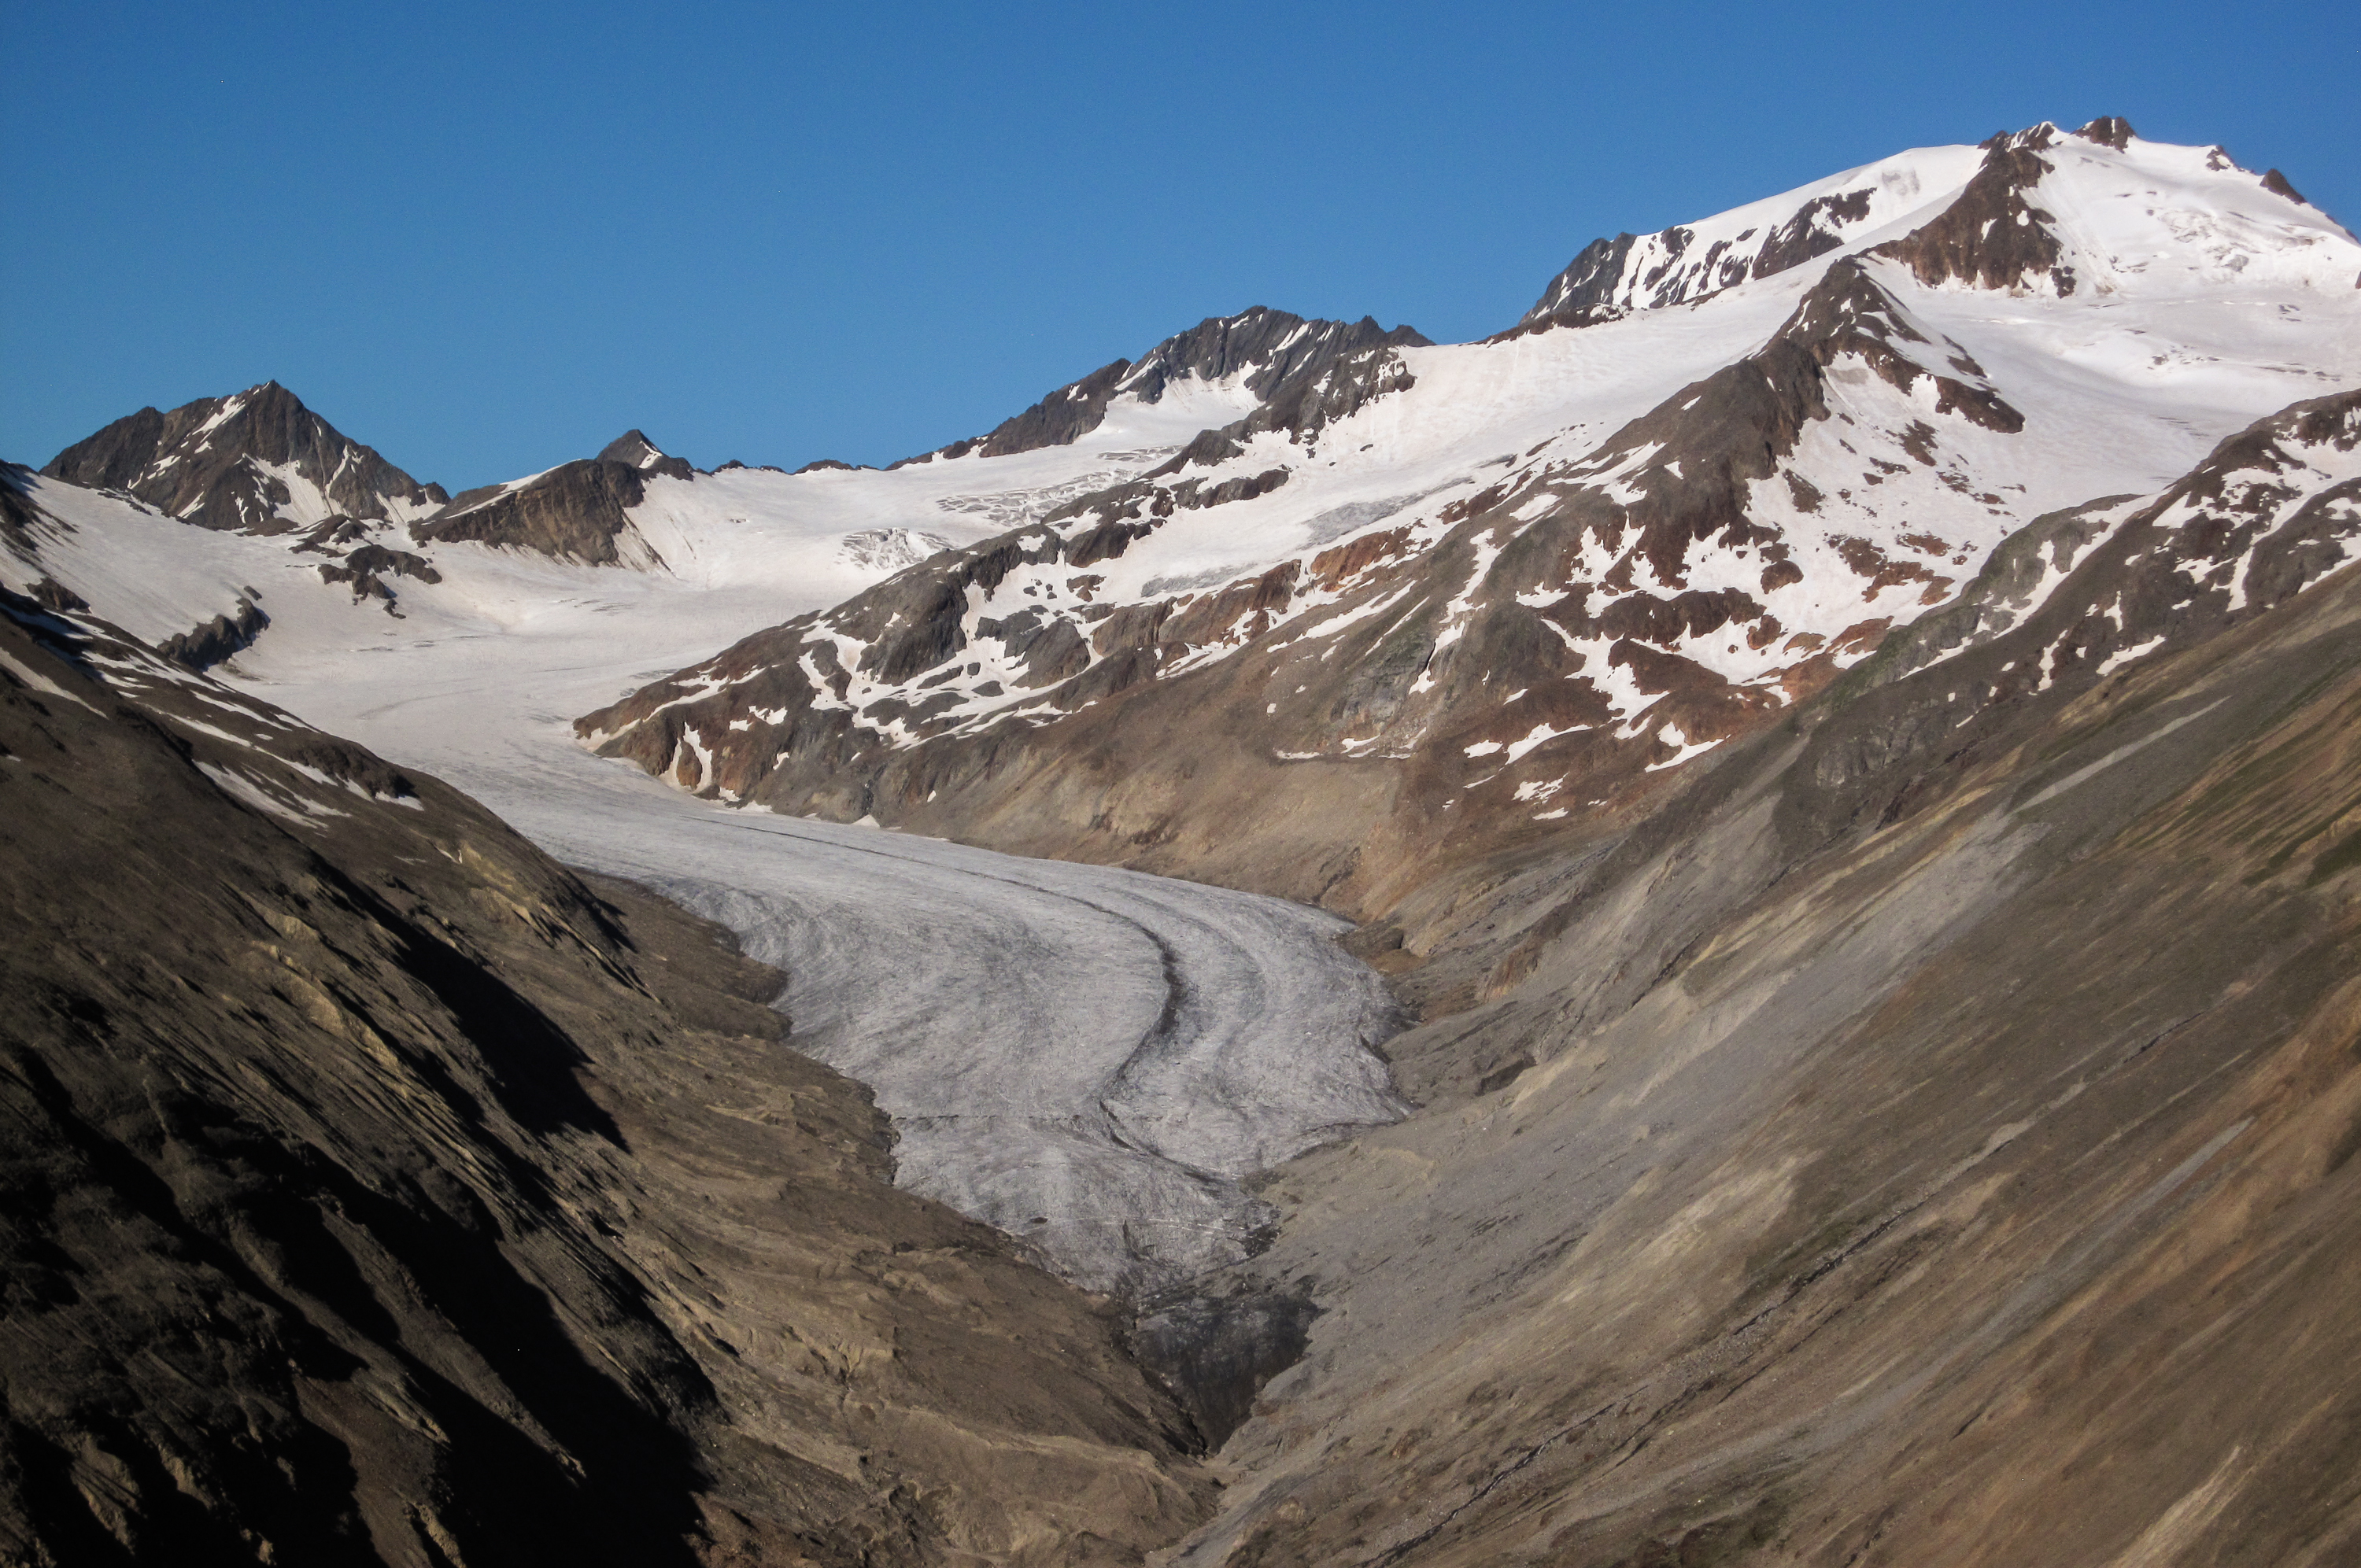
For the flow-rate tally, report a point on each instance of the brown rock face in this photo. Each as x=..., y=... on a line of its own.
x=2277, y=183
x=1994, y=237
x=378, y=1192
x=2109, y=130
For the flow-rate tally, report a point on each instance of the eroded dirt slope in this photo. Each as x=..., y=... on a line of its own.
x=1927, y=1139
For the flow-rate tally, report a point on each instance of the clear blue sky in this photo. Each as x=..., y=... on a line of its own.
x=486, y=238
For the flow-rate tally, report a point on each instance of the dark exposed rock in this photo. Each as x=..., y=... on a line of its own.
x=2277, y=183
x=378, y=560
x=1286, y=361
x=1993, y=236
x=1217, y=1352
x=1848, y=312
x=223, y=637
x=2109, y=130
x=1586, y=289
x=50, y=594
x=332, y=534
x=368, y=567
x=1056, y=420
x=199, y=462
x=635, y=450
x=1811, y=232
x=573, y=512
x=20, y=519
x=1600, y=285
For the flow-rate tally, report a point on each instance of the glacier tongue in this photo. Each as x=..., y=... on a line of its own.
x=1089, y=1059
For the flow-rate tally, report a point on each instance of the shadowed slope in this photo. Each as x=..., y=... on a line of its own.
x=378, y=1192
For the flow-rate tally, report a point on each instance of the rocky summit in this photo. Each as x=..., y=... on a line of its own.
x=1751, y=952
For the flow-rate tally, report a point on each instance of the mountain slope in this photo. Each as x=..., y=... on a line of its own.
x=1545, y=571
x=379, y=1192
x=1842, y=726
x=1924, y=1137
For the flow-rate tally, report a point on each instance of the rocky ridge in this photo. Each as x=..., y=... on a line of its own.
x=1296, y=368
x=1625, y=595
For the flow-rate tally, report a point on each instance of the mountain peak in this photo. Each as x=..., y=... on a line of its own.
x=635, y=450
x=1684, y=263
x=2109, y=130
x=2016, y=211
x=258, y=461
x=1275, y=354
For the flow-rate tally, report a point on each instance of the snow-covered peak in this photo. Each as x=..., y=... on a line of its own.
x=1688, y=261
x=2038, y=209
x=2157, y=219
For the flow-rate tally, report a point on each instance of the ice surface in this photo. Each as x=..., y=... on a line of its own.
x=1089, y=1059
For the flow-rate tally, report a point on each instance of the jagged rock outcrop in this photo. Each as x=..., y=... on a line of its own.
x=366, y=567
x=576, y=512
x=1296, y=368
x=223, y=637
x=258, y=461
x=1995, y=237
x=635, y=450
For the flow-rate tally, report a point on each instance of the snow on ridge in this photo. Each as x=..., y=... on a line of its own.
x=1688, y=261
x=2122, y=384
x=1881, y=513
